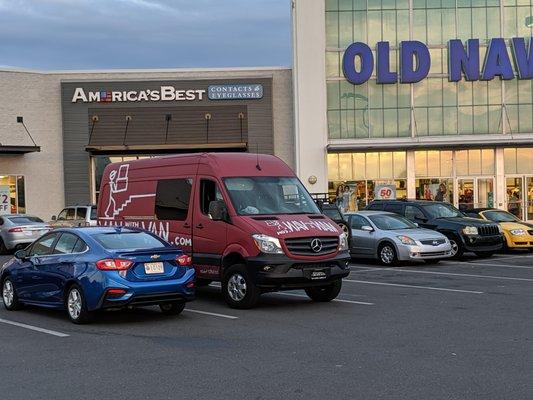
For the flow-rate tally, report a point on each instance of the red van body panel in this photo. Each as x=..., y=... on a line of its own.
x=128, y=197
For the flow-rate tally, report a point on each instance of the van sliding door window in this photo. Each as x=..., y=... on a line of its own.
x=173, y=198
x=208, y=192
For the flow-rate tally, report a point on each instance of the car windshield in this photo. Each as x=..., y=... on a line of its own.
x=25, y=220
x=500, y=216
x=128, y=240
x=391, y=222
x=442, y=210
x=269, y=195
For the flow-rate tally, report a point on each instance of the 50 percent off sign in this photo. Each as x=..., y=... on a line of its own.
x=5, y=200
x=384, y=192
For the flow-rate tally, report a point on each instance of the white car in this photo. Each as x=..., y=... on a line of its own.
x=75, y=216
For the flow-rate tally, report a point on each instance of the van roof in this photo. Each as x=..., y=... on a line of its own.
x=226, y=164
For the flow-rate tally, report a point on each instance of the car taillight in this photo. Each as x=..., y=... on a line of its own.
x=17, y=229
x=184, y=260
x=111, y=264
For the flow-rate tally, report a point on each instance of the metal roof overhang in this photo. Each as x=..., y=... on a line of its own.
x=432, y=142
x=15, y=150
x=165, y=148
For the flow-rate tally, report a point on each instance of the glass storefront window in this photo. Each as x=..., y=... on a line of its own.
x=514, y=196
x=15, y=185
x=435, y=189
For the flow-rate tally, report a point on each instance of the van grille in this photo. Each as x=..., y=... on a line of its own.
x=488, y=230
x=308, y=246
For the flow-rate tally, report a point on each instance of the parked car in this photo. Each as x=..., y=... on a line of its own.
x=246, y=219
x=483, y=238
x=518, y=234
x=87, y=269
x=332, y=212
x=75, y=216
x=19, y=230
x=391, y=238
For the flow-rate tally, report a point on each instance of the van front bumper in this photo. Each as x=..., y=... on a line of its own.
x=279, y=272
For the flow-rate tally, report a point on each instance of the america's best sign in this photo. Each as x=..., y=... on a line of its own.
x=164, y=93
x=463, y=60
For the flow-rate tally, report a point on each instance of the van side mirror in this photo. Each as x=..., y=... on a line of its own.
x=218, y=211
x=367, y=228
x=54, y=218
x=21, y=255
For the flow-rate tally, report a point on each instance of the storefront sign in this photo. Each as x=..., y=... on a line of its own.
x=5, y=200
x=385, y=191
x=235, y=92
x=415, y=61
x=164, y=93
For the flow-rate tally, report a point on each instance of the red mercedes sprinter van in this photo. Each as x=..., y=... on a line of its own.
x=246, y=219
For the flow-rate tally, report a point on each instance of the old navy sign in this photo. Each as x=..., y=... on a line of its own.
x=463, y=61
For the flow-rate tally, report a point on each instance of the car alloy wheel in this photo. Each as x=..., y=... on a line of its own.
x=387, y=254
x=8, y=293
x=74, y=303
x=455, y=247
x=237, y=287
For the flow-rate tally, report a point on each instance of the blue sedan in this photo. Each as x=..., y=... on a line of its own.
x=87, y=269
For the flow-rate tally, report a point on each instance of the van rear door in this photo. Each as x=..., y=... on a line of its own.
x=210, y=237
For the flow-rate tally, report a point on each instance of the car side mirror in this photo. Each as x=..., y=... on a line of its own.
x=218, y=211
x=367, y=228
x=54, y=218
x=21, y=255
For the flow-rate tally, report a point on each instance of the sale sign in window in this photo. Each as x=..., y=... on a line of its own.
x=5, y=200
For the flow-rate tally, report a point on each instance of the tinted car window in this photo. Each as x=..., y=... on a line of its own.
x=332, y=212
x=65, y=244
x=24, y=220
x=394, y=208
x=375, y=206
x=43, y=246
x=128, y=240
x=413, y=213
x=93, y=213
x=442, y=210
x=208, y=192
x=357, y=222
x=79, y=247
x=172, y=199
x=81, y=213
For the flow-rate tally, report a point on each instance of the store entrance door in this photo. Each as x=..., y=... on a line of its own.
x=475, y=193
x=529, y=198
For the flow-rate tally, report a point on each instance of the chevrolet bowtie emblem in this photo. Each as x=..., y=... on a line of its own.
x=155, y=256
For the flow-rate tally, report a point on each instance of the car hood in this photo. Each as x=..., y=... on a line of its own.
x=419, y=233
x=465, y=221
x=293, y=225
x=507, y=226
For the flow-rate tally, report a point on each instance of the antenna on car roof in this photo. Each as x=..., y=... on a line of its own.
x=257, y=155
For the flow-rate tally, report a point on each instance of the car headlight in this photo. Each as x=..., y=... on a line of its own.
x=517, y=232
x=470, y=230
x=499, y=229
x=268, y=244
x=406, y=240
x=343, y=242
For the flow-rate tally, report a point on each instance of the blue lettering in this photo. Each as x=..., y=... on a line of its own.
x=384, y=74
x=364, y=52
x=497, y=62
x=523, y=61
x=409, y=51
x=460, y=61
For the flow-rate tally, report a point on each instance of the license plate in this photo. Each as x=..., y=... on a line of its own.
x=154, y=268
x=319, y=274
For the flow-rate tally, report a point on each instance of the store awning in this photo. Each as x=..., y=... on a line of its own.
x=165, y=148
x=14, y=150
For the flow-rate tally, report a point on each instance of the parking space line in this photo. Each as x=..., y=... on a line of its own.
x=414, y=286
x=497, y=265
x=506, y=278
x=34, y=328
x=363, y=303
x=211, y=313
x=511, y=257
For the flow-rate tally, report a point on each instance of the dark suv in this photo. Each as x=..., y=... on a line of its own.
x=465, y=233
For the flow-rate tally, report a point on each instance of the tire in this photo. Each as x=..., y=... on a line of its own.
x=3, y=248
x=433, y=261
x=76, y=306
x=238, y=288
x=457, y=248
x=531, y=249
x=387, y=254
x=174, y=308
x=9, y=296
x=484, y=254
x=325, y=293
x=202, y=282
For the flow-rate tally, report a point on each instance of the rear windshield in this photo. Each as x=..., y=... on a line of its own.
x=24, y=220
x=128, y=240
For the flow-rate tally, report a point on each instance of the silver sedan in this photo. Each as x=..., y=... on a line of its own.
x=19, y=230
x=390, y=238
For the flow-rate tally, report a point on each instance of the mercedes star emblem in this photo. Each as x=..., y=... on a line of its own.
x=316, y=245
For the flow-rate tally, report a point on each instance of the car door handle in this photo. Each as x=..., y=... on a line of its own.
x=200, y=226
x=186, y=225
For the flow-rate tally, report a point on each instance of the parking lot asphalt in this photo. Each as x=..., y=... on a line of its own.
x=455, y=330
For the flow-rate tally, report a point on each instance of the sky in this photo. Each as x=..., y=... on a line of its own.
x=105, y=34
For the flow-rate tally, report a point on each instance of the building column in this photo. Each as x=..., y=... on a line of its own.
x=500, y=184
x=411, y=177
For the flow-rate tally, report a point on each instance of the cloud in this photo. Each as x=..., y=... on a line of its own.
x=86, y=34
